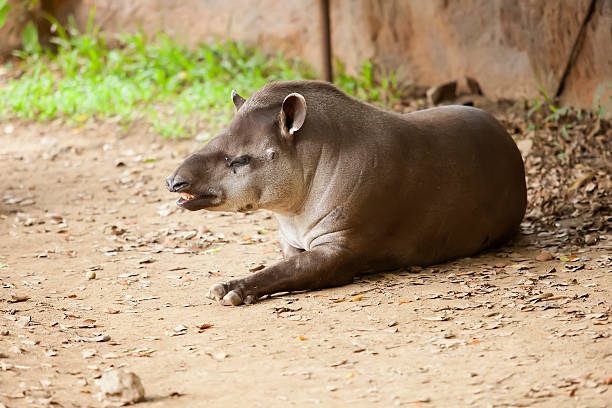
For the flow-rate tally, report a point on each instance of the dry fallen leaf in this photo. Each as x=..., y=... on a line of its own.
x=87, y=324
x=115, y=230
x=203, y=327
x=16, y=299
x=218, y=356
x=98, y=339
x=177, y=331
x=257, y=268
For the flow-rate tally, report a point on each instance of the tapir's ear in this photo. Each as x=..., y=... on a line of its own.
x=292, y=114
x=237, y=99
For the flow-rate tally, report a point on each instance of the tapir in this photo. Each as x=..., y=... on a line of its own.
x=355, y=189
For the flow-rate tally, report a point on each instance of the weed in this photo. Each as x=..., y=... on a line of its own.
x=4, y=9
x=178, y=91
x=369, y=85
x=546, y=110
x=171, y=87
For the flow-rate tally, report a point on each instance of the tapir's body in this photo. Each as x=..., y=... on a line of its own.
x=361, y=189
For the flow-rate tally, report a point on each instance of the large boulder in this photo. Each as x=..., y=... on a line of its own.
x=589, y=80
x=289, y=26
x=514, y=49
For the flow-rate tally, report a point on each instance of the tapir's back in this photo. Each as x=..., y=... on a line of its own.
x=460, y=184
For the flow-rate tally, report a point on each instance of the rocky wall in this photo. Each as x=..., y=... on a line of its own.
x=513, y=48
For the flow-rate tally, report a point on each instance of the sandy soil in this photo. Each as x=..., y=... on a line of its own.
x=501, y=329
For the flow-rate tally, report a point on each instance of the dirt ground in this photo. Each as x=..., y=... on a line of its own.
x=91, y=245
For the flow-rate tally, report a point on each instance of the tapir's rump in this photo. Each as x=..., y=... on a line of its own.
x=356, y=189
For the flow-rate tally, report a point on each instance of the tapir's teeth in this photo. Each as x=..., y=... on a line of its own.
x=186, y=196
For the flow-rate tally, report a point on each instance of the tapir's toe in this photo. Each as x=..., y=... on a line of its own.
x=250, y=299
x=229, y=294
x=217, y=291
x=232, y=298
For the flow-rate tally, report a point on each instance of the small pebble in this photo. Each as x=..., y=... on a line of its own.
x=90, y=275
x=544, y=256
x=121, y=386
x=590, y=239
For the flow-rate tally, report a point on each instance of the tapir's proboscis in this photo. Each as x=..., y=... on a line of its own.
x=355, y=189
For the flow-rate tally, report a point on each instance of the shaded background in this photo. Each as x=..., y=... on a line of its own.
x=513, y=49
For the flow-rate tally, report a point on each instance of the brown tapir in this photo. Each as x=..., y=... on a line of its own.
x=355, y=189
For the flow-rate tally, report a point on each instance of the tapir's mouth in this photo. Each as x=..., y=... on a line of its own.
x=184, y=197
x=194, y=202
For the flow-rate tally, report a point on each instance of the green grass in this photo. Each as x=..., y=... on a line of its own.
x=179, y=91
x=172, y=87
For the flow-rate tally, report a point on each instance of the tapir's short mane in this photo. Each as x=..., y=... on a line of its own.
x=316, y=93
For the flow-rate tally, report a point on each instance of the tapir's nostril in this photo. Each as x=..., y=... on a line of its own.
x=176, y=183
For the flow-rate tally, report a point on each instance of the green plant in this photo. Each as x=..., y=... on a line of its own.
x=175, y=89
x=178, y=91
x=29, y=40
x=4, y=9
x=546, y=107
x=369, y=84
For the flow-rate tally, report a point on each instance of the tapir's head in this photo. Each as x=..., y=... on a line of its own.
x=249, y=165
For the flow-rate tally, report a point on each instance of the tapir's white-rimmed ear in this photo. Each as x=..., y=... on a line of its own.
x=292, y=114
x=237, y=99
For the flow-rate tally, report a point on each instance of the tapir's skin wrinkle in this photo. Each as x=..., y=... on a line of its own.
x=355, y=189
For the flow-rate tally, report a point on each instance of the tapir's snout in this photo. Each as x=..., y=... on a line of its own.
x=176, y=183
x=192, y=195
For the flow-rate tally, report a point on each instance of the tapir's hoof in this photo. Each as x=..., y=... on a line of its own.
x=222, y=293
x=217, y=291
x=250, y=299
x=233, y=298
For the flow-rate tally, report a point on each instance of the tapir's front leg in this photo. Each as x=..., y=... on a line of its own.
x=321, y=267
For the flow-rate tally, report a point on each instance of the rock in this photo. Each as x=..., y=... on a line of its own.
x=544, y=256
x=588, y=80
x=434, y=41
x=590, y=239
x=16, y=350
x=265, y=25
x=514, y=49
x=524, y=145
x=120, y=386
x=23, y=321
x=441, y=93
x=90, y=275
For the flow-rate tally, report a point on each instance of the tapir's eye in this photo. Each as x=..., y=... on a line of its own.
x=240, y=161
